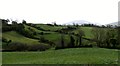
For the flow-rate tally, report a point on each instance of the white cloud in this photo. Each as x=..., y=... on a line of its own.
x=101, y=11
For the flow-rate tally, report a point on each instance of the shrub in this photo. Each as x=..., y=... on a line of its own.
x=50, y=25
x=42, y=39
x=9, y=41
x=4, y=39
x=41, y=33
x=17, y=46
x=38, y=47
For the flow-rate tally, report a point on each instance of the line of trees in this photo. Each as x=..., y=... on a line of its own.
x=18, y=27
x=106, y=37
x=102, y=37
x=75, y=40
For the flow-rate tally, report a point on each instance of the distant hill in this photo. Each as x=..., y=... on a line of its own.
x=80, y=22
x=113, y=24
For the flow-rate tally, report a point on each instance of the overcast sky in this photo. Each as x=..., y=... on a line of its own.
x=61, y=11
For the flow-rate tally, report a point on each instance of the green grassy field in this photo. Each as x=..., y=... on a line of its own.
x=55, y=37
x=52, y=36
x=36, y=30
x=87, y=31
x=52, y=28
x=63, y=56
x=15, y=37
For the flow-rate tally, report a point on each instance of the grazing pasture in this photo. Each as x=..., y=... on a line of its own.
x=63, y=56
x=58, y=44
x=15, y=37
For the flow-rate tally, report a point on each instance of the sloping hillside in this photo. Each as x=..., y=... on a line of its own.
x=14, y=36
x=87, y=31
x=51, y=28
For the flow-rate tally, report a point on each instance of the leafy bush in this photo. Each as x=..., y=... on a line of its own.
x=4, y=39
x=17, y=46
x=49, y=24
x=38, y=47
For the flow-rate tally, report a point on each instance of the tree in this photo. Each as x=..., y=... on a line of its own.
x=111, y=37
x=62, y=41
x=118, y=35
x=26, y=33
x=109, y=26
x=5, y=25
x=4, y=22
x=99, y=35
x=54, y=23
x=24, y=22
x=103, y=26
x=72, y=40
x=42, y=39
x=80, y=34
x=113, y=42
x=14, y=22
x=20, y=28
x=77, y=25
x=107, y=39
